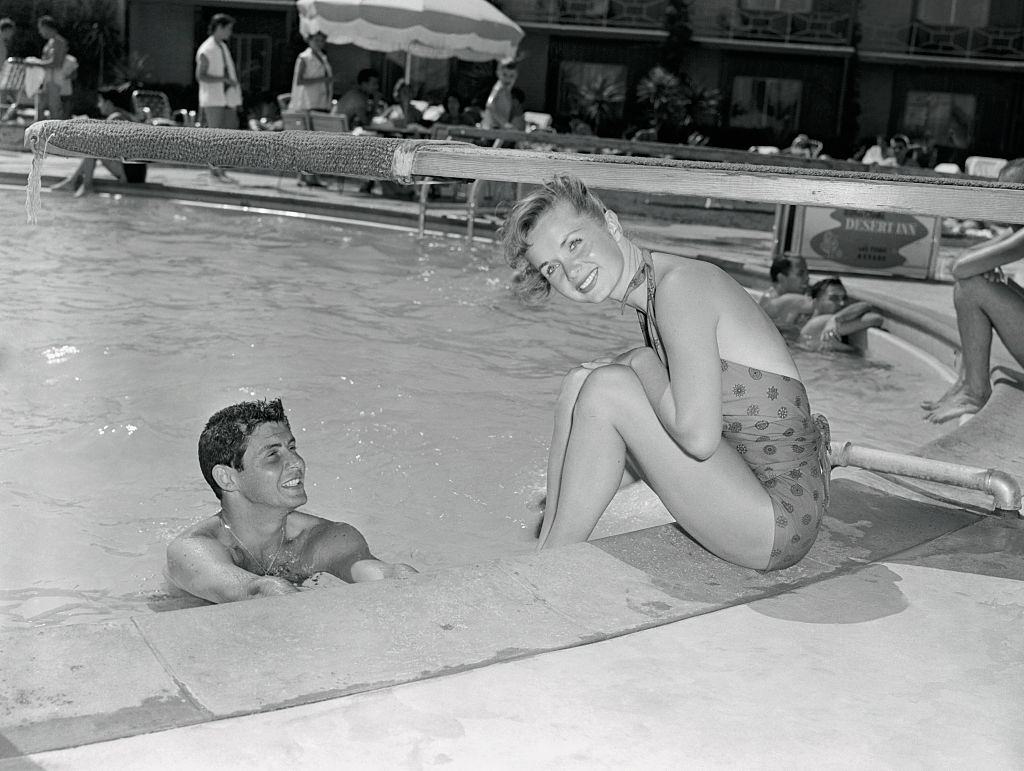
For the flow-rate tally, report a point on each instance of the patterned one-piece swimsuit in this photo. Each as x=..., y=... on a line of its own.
x=766, y=418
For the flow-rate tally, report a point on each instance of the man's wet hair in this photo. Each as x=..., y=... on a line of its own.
x=780, y=267
x=226, y=436
x=820, y=286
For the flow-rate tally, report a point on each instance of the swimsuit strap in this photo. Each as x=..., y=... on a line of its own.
x=648, y=319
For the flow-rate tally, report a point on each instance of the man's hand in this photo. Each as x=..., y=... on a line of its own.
x=830, y=332
x=271, y=586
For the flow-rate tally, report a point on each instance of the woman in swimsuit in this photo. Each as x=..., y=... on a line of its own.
x=711, y=413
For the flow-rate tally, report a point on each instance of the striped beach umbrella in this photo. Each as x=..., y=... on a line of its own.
x=473, y=30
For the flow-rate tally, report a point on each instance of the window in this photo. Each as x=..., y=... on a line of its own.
x=252, y=61
x=961, y=13
x=940, y=118
x=787, y=6
x=772, y=103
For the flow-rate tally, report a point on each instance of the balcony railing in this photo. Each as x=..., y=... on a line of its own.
x=944, y=40
x=631, y=14
x=821, y=28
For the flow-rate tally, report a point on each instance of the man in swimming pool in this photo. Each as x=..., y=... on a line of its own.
x=258, y=544
x=786, y=301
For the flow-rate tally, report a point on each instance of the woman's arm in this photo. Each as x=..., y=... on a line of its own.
x=689, y=405
x=1006, y=247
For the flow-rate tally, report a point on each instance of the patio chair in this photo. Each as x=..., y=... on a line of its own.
x=294, y=121
x=154, y=107
x=12, y=80
x=324, y=121
x=981, y=166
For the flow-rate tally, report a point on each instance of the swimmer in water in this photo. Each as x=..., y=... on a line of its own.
x=258, y=544
x=787, y=301
x=710, y=413
x=835, y=317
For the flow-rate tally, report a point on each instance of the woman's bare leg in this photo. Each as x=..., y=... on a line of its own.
x=981, y=307
x=718, y=501
x=73, y=180
x=564, y=406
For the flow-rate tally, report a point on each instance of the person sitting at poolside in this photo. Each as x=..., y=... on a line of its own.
x=985, y=300
x=786, y=301
x=114, y=103
x=258, y=544
x=711, y=413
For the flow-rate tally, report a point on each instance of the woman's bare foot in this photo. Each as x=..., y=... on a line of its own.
x=83, y=190
x=957, y=405
x=933, y=404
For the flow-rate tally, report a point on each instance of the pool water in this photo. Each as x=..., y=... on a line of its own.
x=418, y=388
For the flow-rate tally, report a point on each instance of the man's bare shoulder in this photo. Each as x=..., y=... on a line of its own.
x=204, y=528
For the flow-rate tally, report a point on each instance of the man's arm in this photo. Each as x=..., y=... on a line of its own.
x=787, y=308
x=341, y=550
x=203, y=567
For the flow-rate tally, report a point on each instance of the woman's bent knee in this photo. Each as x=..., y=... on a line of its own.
x=603, y=388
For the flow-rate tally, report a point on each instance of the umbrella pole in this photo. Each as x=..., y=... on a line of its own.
x=408, y=67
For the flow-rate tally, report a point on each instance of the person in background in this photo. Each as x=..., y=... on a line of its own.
x=986, y=301
x=402, y=111
x=710, y=413
x=803, y=146
x=517, y=117
x=114, y=103
x=498, y=110
x=358, y=103
x=312, y=78
x=452, y=114
x=7, y=30
x=8, y=96
x=54, y=51
x=903, y=152
x=220, y=94
x=259, y=544
x=787, y=301
x=878, y=154
x=835, y=318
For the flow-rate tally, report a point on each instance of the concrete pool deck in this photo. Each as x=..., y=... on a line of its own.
x=896, y=642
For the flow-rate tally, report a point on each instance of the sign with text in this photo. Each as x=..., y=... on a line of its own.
x=866, y=241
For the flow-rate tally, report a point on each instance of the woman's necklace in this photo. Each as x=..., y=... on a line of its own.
x=259, y=563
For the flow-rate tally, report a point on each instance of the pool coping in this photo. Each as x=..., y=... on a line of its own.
x=79, y=684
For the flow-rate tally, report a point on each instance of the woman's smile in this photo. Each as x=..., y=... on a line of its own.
x=588, y=282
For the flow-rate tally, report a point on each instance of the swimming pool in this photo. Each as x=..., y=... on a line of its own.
x=419, y=390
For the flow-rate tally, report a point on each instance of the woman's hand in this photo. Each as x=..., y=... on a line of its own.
x=604, y=361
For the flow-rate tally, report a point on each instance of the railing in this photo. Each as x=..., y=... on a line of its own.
x=822, y=28
x=628, y=14
x=944, y=40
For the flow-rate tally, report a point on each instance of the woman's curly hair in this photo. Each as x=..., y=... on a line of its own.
x=527, y=282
